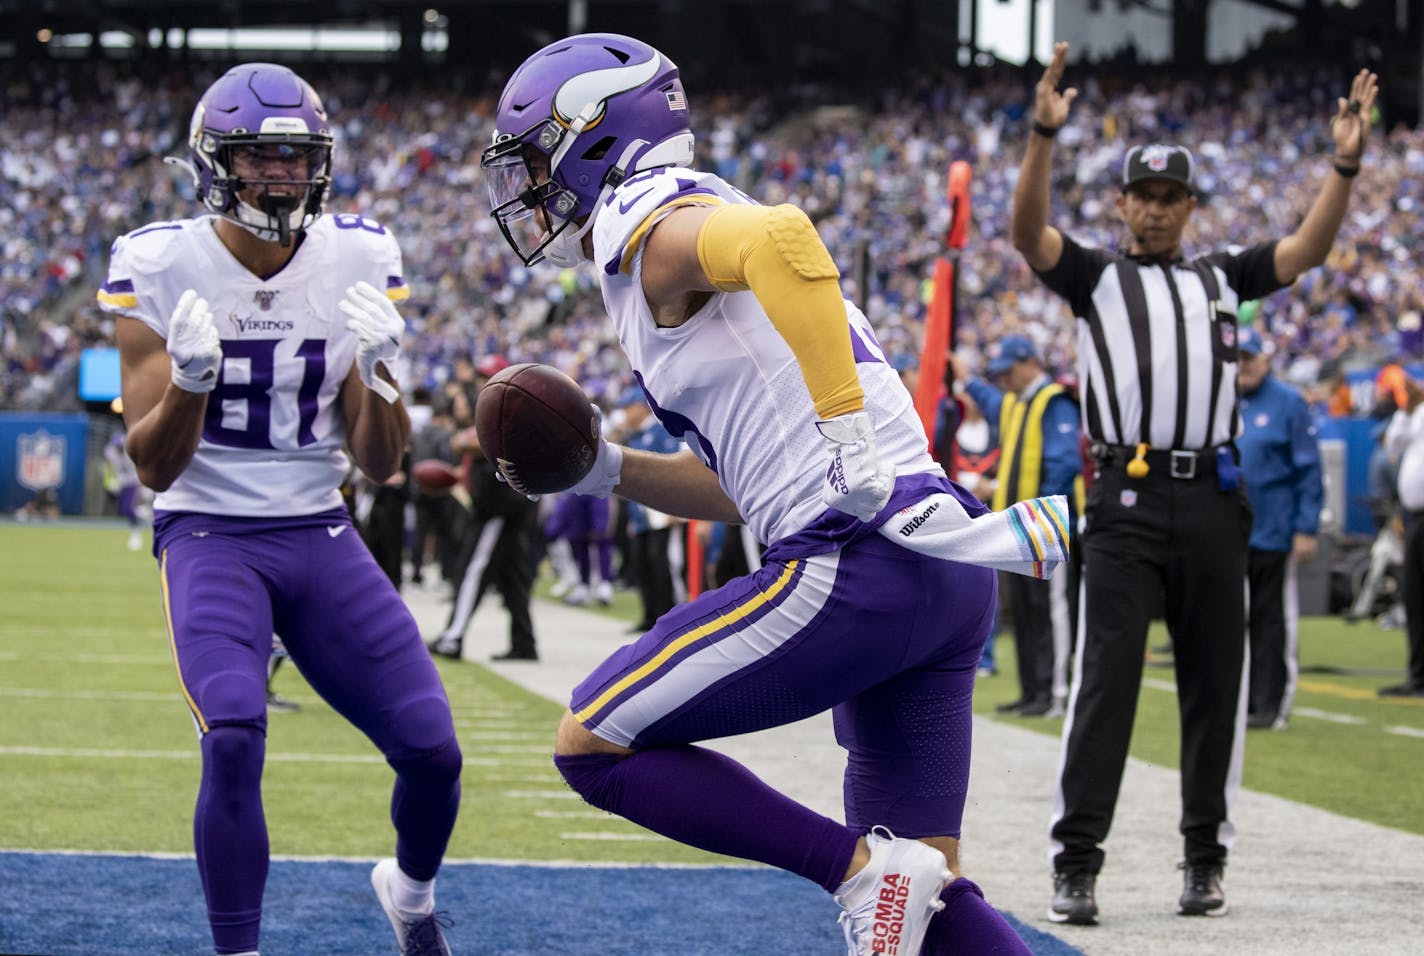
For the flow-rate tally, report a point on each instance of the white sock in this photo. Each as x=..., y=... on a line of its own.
x=412, y=896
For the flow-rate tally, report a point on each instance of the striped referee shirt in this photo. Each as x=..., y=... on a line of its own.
x=1157, y=341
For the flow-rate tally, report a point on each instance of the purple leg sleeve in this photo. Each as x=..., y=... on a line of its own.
x=423, y=808
x=704, y=799
x=230, y=835
x=968, y=926
x=605, y=558
x=583, y=560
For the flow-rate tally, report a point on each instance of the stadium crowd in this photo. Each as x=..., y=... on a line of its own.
x=80, y=163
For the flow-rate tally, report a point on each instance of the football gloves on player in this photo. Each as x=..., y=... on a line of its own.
x=607, y=470
x=857, y=482
x=193, y=344
x=378, y=328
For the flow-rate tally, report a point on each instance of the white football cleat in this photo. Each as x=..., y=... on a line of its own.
x=417, y=934
x=889, y=904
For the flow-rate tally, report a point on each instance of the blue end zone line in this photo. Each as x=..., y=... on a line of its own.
x=152, y=902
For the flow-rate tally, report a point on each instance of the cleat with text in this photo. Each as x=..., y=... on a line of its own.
x=889, y=904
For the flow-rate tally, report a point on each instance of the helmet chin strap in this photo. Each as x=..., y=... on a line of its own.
x=565, y=250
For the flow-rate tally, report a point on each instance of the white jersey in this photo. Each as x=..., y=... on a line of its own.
x=286, y=354
x=726, y=382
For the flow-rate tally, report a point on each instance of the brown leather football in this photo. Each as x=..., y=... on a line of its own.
x=538, y=427
x=434, y=475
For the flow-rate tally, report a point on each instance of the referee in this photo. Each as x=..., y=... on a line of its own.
x=1167, y=519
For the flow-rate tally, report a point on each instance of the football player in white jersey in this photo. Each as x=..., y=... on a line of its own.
x=257, y=347
x=732, y=317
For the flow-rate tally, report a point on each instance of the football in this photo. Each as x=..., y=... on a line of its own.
x=434, y=475
x=538, y=427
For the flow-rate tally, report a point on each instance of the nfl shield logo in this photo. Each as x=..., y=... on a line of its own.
x=1128, y=498
x=1156, y=157
x=41, y=461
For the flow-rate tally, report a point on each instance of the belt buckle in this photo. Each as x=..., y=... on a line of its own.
x=1183, y=464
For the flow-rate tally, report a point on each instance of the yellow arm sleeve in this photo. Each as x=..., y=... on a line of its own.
x=775, y=252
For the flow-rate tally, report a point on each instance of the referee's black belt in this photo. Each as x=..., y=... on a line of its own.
x=1180, y=463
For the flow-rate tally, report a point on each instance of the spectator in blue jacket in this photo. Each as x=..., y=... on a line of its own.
x=1280, y=461
x=656, y=544
x=1038, y=426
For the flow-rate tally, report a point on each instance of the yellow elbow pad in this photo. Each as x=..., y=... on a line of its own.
x=774, y=252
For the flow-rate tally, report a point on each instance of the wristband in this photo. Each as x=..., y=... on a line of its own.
x=1348, y=172
x=1048, y=132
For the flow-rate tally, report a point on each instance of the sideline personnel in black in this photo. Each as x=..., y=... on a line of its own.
x=1166, y=513
x=499, y=548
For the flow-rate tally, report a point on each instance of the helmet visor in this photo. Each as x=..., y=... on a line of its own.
x=523, y=207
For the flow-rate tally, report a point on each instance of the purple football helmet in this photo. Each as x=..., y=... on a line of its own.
x=264, y=118
x=576, y=119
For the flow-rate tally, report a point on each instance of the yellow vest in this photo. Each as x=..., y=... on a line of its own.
x=1021, y=438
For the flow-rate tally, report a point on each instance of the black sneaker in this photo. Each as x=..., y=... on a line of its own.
x=1073, y=900
x=1261, y=721
x=1402, y=690
x=1201, y=890
x=515, y=656
x=445, y=647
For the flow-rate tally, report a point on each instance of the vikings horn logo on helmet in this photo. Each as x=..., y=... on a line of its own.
x=596, y=87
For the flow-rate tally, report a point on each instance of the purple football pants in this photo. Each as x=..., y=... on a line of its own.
x=584, y=520
x=228, y=585
x=885, y=638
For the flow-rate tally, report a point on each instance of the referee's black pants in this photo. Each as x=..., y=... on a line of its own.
x=1186, y=540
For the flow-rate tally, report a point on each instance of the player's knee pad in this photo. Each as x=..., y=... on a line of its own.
x=591, y=777
x=439, y=767
x=422, y=724
x=233, y=755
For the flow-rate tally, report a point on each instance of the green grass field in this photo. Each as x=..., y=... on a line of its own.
x=97, y=751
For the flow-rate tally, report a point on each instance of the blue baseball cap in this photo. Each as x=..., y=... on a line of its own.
x=1249, y=341
x=632, y=395
x=1008, y=352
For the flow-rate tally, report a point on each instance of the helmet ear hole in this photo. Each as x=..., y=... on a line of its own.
x=599, y=149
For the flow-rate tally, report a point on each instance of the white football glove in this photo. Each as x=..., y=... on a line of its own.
x=856, y=481
x=607, y=470
x=193, y=344
x=378, y=328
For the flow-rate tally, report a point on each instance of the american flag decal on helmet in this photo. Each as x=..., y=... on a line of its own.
x=676, y=101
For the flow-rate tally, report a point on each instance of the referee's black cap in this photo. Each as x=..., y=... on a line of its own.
x=1159, y=161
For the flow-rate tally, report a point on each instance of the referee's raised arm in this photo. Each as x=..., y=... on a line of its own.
x=1039, y=242
x=1308, y=246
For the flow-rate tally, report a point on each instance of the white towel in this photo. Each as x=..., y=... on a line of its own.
x=1030, y=537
